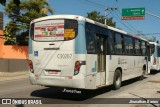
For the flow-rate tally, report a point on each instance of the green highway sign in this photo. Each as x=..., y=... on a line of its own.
x=130, y=13
x=133, y=12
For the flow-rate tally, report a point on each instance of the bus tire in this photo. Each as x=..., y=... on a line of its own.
x=117, y=79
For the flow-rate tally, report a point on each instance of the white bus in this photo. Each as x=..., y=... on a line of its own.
x=155, y=56
x=73, y=51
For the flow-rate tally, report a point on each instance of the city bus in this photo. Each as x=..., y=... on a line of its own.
x=155, y=56
x=76, y=52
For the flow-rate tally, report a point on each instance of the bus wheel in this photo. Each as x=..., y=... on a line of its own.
x=117, y=79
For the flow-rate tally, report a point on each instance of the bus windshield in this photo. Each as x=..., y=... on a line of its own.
x=54, y=30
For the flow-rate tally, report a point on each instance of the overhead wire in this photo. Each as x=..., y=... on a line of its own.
x=128, y=22
x=128, y=26
x=84, y=2
x=101, y=5
x=118, y=17
x=151, y=34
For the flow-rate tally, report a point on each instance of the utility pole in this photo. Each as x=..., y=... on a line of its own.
x=109, y=9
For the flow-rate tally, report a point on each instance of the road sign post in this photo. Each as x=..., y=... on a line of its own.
x=133, y=13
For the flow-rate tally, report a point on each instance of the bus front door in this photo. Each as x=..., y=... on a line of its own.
x=101, y=61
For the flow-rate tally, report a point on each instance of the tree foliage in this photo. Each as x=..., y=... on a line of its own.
x=20, y=17
x=9, y=39
x=3, y=2
x=96, y=16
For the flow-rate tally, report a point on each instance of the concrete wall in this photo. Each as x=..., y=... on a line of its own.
x=13, y=65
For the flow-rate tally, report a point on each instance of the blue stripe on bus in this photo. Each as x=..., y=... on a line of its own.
x=80, y=42
x=95, y=67
x=30, y=46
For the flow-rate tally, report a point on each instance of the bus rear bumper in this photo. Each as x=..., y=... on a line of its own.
x=57, y=81
x=154, y=67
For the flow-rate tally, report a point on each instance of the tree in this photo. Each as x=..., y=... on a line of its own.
x=3, y=2
x=21, y=16
x=96, y=16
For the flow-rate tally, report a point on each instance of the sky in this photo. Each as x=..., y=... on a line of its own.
x=149, y=25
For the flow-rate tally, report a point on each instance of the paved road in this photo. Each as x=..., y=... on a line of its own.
x=22, y=89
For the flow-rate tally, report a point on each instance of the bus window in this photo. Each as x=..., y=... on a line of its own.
x=128, y=45
x=111, y=42
x=137, y=47
x=143, y=47
x=91, y=44
x=70, y=29
x=118, y=44
x=152, y=48
x=158, y=51
x=90, y=39
x=32, y=31
x=54, y=30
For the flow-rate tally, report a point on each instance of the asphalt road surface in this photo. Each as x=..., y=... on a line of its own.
x=21, y=88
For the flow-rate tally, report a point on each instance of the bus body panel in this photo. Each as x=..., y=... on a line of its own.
x=93, y=78
x=131, y=66
x=49, y=61
x=54, y=62
x=154, y=58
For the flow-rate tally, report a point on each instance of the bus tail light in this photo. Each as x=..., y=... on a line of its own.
x=77, y=67
x=31, y=66
x=154, y=62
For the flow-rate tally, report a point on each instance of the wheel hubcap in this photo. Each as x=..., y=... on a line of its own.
x=118, y=80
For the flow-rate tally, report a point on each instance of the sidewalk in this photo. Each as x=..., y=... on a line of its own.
x=147, y=89
x=6, y=76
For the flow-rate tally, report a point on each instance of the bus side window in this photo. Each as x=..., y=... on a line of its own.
x=143, y=48
x=158, y=51
x=123, y=43
x=90, y=39
x=32, y=30
x=152, y=48
x=137, y=47
x=110, y=42
x=90, y=44
x=128, y=45
x=118, y=44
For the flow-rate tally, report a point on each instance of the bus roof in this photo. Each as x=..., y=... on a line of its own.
x=106, y=26
x=64, y=16
x=155, y=43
